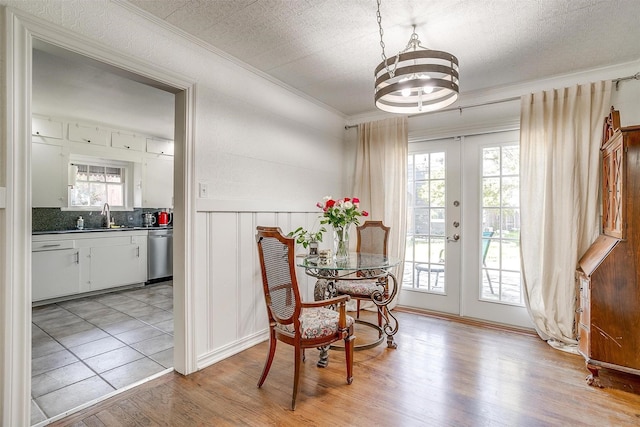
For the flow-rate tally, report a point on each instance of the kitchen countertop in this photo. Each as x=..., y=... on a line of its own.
x=102, y=229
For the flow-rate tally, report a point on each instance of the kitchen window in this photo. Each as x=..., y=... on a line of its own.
x=93, y=185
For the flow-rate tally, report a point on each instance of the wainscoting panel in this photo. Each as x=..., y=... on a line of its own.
x=230, y=308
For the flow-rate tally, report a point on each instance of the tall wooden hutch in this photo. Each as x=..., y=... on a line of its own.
x=608, y=274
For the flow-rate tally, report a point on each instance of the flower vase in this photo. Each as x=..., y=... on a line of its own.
x=341, y=243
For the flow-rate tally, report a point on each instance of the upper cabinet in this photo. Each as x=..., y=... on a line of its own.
x=46, y=128
x=160, y=146
x=88, y=134
x=151, y=178
x=48, y=182
x=128, y=141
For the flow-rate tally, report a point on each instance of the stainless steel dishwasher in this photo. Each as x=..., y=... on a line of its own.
x=160, y=254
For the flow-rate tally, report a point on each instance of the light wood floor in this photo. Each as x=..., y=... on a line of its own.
x=444, y=373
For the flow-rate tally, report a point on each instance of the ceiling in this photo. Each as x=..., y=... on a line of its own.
x=328, y=49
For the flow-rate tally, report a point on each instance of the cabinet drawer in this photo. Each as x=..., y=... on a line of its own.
x=52, y=245
x=46, y=128
x=88, y=134
x=127, y=141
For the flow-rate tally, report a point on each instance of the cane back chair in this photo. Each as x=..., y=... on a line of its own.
x=300, y=324
x=372, y=238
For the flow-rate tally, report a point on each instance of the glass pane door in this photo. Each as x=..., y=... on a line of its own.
x=431, y=278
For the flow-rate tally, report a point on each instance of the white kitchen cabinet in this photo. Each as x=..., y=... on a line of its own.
x=70, y=264
x=49, y=176
x=157, y=182
x=55, y=270
x=128, y=141
x=117, y=261
x=46, y=128
x=88, y=134
x=160, y=146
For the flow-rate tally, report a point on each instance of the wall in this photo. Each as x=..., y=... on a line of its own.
x=255, y=143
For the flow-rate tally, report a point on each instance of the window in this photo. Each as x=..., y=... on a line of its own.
x=95, y=185
x=501, y=225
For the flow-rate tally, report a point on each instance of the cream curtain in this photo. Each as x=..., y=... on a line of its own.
x=560, y=136
x=381, y=179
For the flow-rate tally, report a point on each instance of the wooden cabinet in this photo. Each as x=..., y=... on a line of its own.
x=608, y=275
x=49, y=176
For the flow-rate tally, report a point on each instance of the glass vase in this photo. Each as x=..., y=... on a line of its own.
x=341, y=243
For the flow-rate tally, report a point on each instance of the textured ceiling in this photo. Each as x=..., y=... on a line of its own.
x=328, y=49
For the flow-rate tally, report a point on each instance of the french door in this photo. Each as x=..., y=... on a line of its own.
x=463, y=236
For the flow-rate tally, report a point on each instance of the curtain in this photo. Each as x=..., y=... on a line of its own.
x=381, y=179
x=560, y=136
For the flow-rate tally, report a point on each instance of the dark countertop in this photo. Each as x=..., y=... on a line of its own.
x=103, y=229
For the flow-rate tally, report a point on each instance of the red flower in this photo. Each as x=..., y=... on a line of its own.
x=346, y=199
x=365, y=213
x=330, y=203
x=355, y=200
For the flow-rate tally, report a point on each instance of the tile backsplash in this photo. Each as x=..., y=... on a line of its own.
x=54, y=219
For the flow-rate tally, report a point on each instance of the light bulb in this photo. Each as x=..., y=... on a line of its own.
x=426, y=89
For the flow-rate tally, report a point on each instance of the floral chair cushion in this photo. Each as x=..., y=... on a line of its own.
x=316, y=323
x=364, y=288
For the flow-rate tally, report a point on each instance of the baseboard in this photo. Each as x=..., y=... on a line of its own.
x=229, y=350
x=467, y=320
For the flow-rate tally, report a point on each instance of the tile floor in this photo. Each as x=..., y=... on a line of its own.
x=85, y=348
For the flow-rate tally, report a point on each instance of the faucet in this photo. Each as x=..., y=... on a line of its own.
x=107, y=211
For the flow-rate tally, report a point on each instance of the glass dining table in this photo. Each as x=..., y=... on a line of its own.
x=358, y=266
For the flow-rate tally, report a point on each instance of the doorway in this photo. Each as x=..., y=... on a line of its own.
x=21, y=31
x=463, y=253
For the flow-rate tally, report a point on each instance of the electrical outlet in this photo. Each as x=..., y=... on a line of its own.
x=204, y=190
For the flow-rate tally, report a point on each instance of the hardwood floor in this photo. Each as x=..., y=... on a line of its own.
x=444, y=373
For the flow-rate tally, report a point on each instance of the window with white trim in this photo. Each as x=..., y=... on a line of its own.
x=93, y=185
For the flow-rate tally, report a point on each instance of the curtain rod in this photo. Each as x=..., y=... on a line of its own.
x=617, y=81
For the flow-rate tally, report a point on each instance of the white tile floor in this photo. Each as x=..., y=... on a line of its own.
x=85, y=348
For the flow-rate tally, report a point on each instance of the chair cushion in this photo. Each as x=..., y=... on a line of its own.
x=363, y=288
x=316, y=323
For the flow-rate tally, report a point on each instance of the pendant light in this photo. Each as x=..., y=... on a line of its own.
x=417, y=79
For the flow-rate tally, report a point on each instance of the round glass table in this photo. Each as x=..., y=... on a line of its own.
x=359, y=266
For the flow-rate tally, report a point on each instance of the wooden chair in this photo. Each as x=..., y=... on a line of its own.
x=372, y=238
x=300, y=324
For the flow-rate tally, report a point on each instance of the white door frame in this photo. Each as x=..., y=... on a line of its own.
x=20, y=30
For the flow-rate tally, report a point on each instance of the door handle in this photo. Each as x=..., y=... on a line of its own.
x=454, y=238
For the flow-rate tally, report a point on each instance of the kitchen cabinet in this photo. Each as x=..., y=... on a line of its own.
x=608, y=274
x=128, y=141
x=160, y=146
x=117, y=261
x=55, y=269
x=157, y=182
x=49, y=176
x=88, y=134
x=45, y=128
x=65, y=265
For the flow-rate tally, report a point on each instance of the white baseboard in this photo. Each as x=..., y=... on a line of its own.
x=229, y=350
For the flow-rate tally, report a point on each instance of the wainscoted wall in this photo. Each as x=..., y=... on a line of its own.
x=229, y=284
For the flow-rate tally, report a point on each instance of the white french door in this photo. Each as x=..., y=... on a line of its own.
x=432, y=257
x=463, y=236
